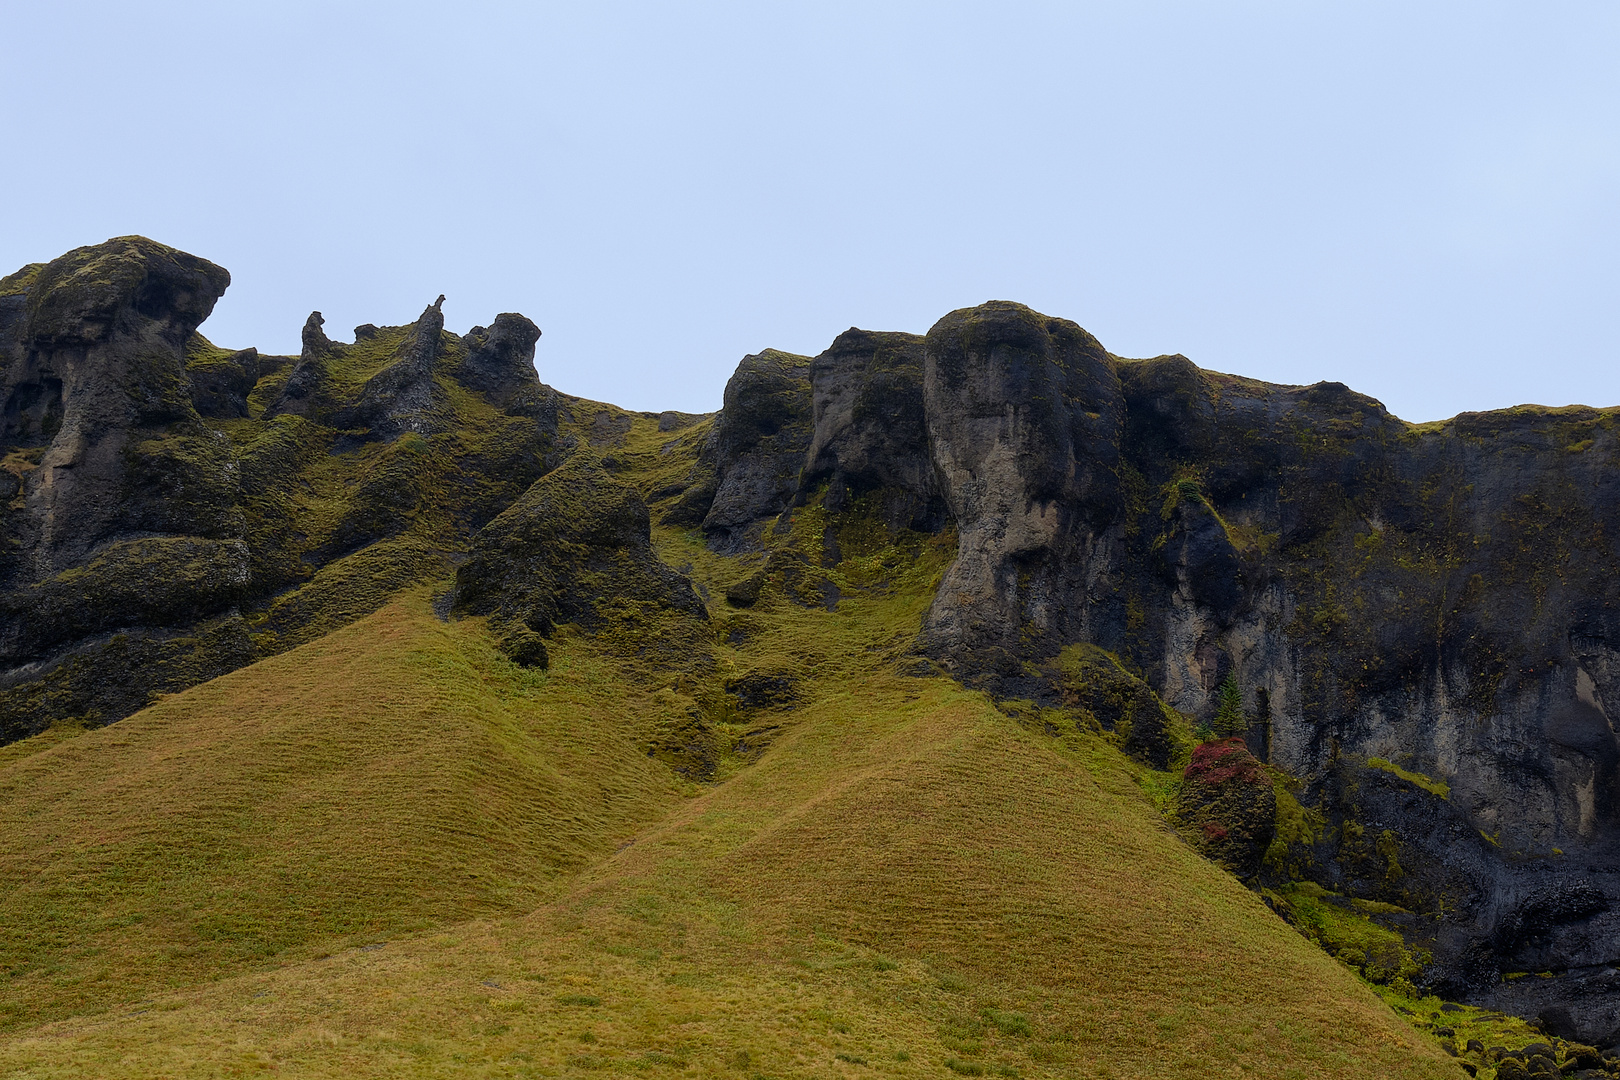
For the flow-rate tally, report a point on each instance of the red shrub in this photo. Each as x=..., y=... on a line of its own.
x=1222, y=760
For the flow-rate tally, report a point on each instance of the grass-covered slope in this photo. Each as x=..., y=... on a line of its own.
x=898, y=888
x=888, y=876
x=395, y=774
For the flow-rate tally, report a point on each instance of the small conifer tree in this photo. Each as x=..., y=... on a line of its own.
x=1229, y=718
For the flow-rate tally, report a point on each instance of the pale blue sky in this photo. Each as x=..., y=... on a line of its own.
x=1419, y=199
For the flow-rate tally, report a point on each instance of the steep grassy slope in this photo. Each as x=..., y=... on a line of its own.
x=394, y=774
x=892, y=890
x=889, y=876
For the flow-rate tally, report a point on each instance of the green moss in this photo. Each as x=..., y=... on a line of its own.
x=20, y=282
x=352, y=367
x=1334, y=923
x=78, y=690
x=1466, y=1023
x=1229, y=718
x=1163, y=789
x=1389, y=849
x=1184, y=490
x=151, y=581
x=202, y=354
x=75, y=297
x=1299, y=828
x=1434, y=787
x=346, y=590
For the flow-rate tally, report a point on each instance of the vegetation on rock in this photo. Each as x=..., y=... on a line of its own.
x=836, y=730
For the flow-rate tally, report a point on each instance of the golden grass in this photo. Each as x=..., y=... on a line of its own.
x=396, y=773
x=906, y=882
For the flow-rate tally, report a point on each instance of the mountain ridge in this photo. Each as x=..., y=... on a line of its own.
x=1407, y=634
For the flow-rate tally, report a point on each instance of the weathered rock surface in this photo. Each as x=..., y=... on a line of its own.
x=173, y=510
x=1422, y=621
x=869, y=429
x=1445, y=597
x=400, y=397
x=749, y=467
x=500, y=365
x=220, y=380
x=575, y=548
x=123, y=511
x=1024, y=420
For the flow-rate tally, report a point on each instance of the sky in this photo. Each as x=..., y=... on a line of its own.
x=1419, y=199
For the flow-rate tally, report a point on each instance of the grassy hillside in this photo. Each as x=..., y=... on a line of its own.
x=392, y=853
x=395, y=774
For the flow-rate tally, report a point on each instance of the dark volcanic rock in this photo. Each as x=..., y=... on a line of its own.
x=1024, y=417
x=575, y=548
x=220, y=384
x=870, y=428
x=400, y=397
x=749, y=467
x=300, y=393
x=500, y=365
x=1447, y=596
x=137, y=532
x=98, y=413
x=96, y=366
x=1442, y=599
x=745, y=593
x=1094, y=682
x=674, y=420
x=762, y=690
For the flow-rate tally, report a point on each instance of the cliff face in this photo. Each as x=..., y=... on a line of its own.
x=1416, y=627
x=1422, y=623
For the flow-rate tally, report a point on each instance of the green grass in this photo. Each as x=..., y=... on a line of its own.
x=388, y=852
x=1432, y=786
x=396, y=774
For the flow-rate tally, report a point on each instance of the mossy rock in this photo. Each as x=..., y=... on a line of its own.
x=1227, y=807
x=76, y=299
x=745, y=593
x=76, y=686
x=221, y=380
x=576, y=548
x=157, y=581
x=526, y=648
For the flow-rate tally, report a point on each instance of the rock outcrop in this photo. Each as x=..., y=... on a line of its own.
x=575, y=548
x=400, y=397
x=869, y=429
x=1443, y=598
x=173, y=510
x=1418, y=624
x=1024, y=420
x=499, y=364
x=749, y=467
x=122, y=520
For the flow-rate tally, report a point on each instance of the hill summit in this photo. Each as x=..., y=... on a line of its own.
x=978, y=700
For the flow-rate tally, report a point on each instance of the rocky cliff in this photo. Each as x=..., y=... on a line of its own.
x=1420, y=623
x=1399, y=645
x=173, y=510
